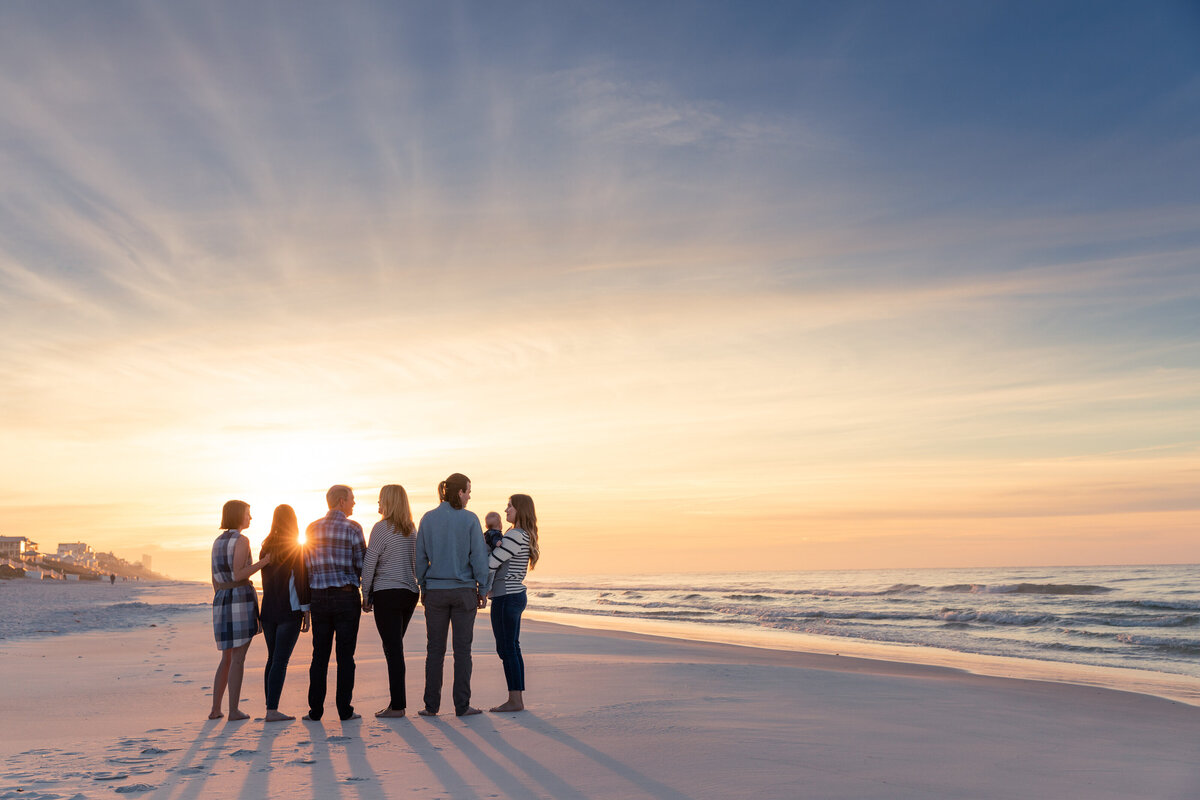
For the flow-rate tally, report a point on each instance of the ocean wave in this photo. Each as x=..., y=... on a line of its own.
x=1027, y=588
x=995, y=617
x=1066, y=647
x=1160, y=644
x=1159, y=605
x=1142, y=621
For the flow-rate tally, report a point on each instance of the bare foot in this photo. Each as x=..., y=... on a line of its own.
x=425, y=712
x=215, y=715
x=352, y=716
x=308, y=718
x=390, y=712
x=234, y=716
x=506, y=707
x=276, y=716
x=467, y=712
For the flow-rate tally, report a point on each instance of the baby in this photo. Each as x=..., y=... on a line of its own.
x=493, y=534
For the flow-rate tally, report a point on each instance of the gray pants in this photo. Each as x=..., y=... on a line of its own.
x=445, y=608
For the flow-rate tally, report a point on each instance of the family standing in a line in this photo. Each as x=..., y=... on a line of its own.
x=447, y=563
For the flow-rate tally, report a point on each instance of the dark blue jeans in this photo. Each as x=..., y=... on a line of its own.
x=506, y=626
x=335, y=614
x=281, y=636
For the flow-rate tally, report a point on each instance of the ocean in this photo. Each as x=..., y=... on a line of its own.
x=1140, y=617
x=1135, y=617
x=30, y=608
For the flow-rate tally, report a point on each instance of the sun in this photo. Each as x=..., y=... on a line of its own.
x=294, y=469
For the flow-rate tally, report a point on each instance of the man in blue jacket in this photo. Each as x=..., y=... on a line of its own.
x=452, y=572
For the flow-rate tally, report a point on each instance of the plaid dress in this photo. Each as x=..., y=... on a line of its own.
x=235, y=611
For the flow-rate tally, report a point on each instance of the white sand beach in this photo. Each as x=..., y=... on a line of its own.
x=610, y=715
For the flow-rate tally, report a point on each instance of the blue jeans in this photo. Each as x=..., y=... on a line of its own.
x=335, y=613
x=506, y=626
x=281, y=636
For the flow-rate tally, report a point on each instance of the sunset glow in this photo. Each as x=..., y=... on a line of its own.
x=769, y=287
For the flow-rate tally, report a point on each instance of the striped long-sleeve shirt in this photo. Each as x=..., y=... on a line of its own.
x=509, y=563
x=390, y=562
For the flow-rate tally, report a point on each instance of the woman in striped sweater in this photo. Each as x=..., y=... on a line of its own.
x=515, y=554
x=389, y=585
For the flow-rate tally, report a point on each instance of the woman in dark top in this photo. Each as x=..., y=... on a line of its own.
x=285, y=603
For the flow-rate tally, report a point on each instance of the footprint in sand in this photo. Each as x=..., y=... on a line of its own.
x=243, y=753
x=195, y=770
x=109, y=776
x=135, y=787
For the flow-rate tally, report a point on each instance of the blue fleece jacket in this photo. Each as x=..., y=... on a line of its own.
x=451, y=553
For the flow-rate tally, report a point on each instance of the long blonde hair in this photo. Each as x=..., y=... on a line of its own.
x=527, y=521
x=395, y=508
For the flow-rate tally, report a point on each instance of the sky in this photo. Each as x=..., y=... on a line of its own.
x=722, y=286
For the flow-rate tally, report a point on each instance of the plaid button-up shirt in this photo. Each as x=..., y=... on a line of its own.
x=333, y=551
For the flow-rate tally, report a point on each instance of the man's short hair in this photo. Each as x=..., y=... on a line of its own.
x=337, y=494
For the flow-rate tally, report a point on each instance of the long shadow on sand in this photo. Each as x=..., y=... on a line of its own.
x=191, y=772
x=257, y=783
x=364, y=780
x=546, y=777
x=535, y=724
x=322, y=758
x=500, y=773
x=454, y=783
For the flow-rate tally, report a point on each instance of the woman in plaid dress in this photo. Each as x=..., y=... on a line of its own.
x=235, y=605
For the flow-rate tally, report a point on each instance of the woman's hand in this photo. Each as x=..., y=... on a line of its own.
x=367, y=606
x=304, y=622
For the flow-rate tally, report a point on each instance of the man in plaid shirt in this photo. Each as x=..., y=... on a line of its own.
x=333, y=554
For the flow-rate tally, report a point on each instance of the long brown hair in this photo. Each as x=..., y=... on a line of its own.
x=448, y=489
x=527, y=521
x=284, y=536
x=393, y=501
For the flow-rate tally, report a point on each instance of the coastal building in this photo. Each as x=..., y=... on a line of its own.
x=16, y=547
x=79, y=554
x=76, y=549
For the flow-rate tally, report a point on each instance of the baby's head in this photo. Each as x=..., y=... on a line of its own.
x=493, y=521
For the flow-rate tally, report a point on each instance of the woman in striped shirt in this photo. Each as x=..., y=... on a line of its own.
x=515, y=554
x=389, y=585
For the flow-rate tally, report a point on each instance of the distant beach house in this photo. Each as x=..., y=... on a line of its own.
x=16, y=547
x=76, y=549
x=80, y=554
